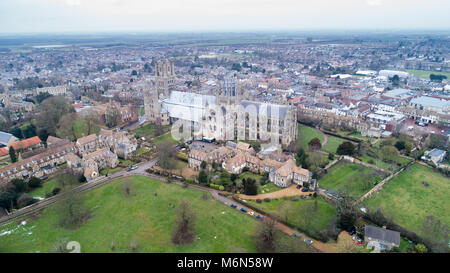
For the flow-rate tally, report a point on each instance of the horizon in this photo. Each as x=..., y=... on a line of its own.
x=175, y=16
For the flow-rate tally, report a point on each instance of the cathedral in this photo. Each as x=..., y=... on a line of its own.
x=226, y=115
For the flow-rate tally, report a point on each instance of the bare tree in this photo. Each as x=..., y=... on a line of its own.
x=266, y=236
x=66, y=126
x=184, y=227
x=72, y=210
x=166, y=154
x=91, y=119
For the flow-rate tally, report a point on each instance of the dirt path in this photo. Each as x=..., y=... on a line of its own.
x=287, y=192
x=325, y=138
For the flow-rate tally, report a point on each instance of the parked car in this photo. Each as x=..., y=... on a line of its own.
x=299, y=186
x=295, y=234
x=304, y=190
x=132, y=167
x=259, y=216
x=233, y=206
x=244, y=210
x=308, y=241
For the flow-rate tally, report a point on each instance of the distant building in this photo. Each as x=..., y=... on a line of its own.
x=55, y=90
x=392, y=73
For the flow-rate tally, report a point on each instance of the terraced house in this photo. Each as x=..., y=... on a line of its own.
x=38, y=165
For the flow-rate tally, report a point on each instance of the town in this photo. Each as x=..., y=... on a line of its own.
x=335, y=144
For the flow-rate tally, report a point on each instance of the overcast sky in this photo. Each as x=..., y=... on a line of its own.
x=197, y=15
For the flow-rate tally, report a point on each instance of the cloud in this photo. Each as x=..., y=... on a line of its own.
x=374, y=3
x=73, y=3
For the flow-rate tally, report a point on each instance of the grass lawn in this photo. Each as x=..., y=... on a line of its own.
x=404, y=244
x=354, y=178
x=246, y=175
x=408, y=201
x=148, y=131
x=164, y=138
x=425, y=74
x=147, y=217
x=321, y=219
x=333, y=143
x=183, y=156
x=111, y=171
x=127, y=163
x=141, y=150
x=397, y=161
x=306, y=133
x=267, y=188
x=47, y=187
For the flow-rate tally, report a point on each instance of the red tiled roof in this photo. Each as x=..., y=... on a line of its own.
x=23, y=144
x=4, y=151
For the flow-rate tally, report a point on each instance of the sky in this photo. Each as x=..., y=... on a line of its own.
x=35, y=16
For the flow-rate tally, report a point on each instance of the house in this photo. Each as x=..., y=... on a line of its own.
x=372, y=132
x=27, y=144
x=436, y=156
x=290, y=173
x=6, y=139
x=381, y=238
x=98, y=160
x=86, y=144
x=281, y=174
x=38, y=165
x=4, y=151
x=121, y=144
x=195, y=159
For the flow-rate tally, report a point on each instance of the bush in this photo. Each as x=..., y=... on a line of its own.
x=55, y=191
x=221, y=188
x=24, y=200
x=266, y=199
x=189, y=180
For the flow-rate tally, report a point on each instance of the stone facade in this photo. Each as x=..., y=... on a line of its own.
x=223, y=116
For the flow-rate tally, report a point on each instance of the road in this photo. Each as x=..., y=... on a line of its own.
x=141, y=170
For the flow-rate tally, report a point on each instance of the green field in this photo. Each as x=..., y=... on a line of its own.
x=425, y=74
x=408, y=201
x=164, y=138
x=333, y=143
x=306, y=133
x=353, y=178
x=147, y=217
x=319, y=220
